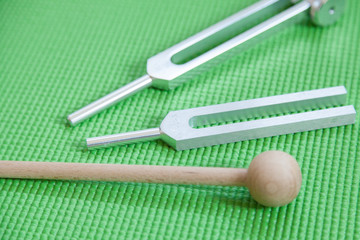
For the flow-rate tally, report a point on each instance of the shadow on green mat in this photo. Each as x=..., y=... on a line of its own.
x=160, y=196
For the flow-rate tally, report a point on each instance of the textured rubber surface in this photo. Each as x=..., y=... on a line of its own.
x=57, y=56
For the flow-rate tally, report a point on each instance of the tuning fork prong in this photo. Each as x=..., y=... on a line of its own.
x=186, y=129
x=231, y=36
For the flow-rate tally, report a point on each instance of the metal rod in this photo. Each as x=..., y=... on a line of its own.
x=110, y=99
x=124, y=138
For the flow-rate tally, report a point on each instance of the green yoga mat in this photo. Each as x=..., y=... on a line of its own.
x=57, y=56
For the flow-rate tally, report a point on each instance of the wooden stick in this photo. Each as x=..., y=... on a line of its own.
x=123, y=173
x=273, y=177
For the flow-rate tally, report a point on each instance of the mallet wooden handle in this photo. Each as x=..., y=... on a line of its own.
x=123, y=173
x=273, y=177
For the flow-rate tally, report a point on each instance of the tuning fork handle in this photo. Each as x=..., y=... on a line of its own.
x=110, y=99
x=123, y=138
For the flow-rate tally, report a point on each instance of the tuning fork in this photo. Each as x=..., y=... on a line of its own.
x=230, y=37
x=212, y=125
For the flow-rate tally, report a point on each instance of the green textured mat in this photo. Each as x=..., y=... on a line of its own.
x=57, y=56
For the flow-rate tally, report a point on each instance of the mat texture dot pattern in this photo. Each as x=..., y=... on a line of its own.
x=57, y=56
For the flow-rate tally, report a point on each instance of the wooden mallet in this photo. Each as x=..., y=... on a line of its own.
x=273, y=177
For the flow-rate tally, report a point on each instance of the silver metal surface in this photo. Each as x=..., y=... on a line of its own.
x=191, y=128
x=217, y=43
x=109, y=100
x=326, y=12
x=124, y=138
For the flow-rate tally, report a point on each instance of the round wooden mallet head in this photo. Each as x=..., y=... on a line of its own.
x=274, y=178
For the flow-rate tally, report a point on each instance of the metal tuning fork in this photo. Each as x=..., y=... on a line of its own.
x=191, y=128
x=217, y=43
